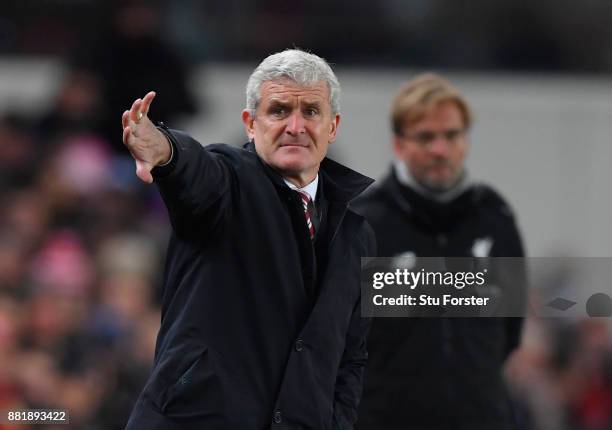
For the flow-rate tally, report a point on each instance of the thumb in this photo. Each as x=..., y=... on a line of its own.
x=143, y=171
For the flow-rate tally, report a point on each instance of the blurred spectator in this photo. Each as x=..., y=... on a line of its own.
x=25, y=216
x=561, y=375
x=78, y=108
x=131, y=58
x=19, y=152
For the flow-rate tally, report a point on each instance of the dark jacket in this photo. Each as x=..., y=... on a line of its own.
x=260, y=327
x=438, y=373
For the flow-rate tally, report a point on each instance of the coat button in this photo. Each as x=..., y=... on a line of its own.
x=299, y=345
x=278, y=417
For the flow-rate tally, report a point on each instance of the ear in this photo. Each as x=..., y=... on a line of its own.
x=398, y=146
x=334, y=128
x=247, y=120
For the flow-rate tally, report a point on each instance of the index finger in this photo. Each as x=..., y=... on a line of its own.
x=146, y=102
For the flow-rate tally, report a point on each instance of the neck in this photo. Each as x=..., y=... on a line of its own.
x=442, y=196
x=299, y=182
x=301, y=179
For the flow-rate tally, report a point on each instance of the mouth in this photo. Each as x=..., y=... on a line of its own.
x=293, y=145
x=439, y=166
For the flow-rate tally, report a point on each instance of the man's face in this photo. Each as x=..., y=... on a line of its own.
x=435, y=147
x=292, y=128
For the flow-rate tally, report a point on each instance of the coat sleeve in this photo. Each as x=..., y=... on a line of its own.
x=349, y=382
x=197, y=184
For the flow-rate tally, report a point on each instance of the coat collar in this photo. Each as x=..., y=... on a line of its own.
x=341, y=183
x=417, y=205
x=392, y=188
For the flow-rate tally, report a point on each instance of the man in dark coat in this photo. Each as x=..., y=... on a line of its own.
x=261, y=323
x=437, y=373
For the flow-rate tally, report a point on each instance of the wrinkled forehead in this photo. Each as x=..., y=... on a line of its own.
x=286, y=88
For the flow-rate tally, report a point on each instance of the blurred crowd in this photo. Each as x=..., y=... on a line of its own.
x=561, y=376
x=81, y=255
x=81, y=238
x=545, y=35
x=82, y=245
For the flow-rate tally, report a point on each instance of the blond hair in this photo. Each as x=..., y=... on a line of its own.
x=419, y=96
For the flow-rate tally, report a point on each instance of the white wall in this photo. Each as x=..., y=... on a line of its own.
x=543, y=141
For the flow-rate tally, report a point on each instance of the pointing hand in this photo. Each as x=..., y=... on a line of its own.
x=148, y=146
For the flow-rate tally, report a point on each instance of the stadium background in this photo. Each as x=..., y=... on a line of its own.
x=82, y=241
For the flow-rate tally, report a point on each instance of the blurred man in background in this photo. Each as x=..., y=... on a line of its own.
x=437, y=373
x=261, y=316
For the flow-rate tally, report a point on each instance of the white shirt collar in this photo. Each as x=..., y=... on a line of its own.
x=310, y=189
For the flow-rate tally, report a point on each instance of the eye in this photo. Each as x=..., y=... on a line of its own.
x=277, y=111
x=310, y=112
x=424, y=137
x=453, y=134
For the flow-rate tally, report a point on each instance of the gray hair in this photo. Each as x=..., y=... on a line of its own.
x=304, y=68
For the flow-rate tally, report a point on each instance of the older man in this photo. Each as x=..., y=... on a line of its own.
x=261, y=321
x=444, y=373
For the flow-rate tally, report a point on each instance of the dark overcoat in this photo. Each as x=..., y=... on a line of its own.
x=260, y=326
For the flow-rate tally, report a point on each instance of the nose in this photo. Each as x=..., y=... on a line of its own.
x=439, y=147
x=295, y=124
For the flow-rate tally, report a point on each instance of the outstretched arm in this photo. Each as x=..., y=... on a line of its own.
x=196, y=183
